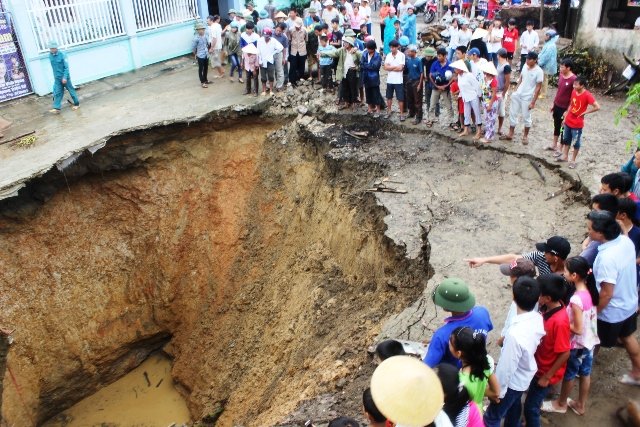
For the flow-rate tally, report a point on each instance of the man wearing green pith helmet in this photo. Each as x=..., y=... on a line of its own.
x=61, y=79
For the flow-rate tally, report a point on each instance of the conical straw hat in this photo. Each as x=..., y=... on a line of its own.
x=479, y=33
x=250, y=49
x=460, y=65
x=407, y=391
x=489, y=68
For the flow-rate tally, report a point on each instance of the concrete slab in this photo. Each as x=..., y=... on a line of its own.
x=161, y=94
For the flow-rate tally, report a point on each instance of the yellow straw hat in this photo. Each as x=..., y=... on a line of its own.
x=479, y=33
x=250, y=49
x=407, y=391
x=280, y=15
x=489, y=68
x=460, y=65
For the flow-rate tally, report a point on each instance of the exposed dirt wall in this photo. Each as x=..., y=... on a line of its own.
x=240, y=250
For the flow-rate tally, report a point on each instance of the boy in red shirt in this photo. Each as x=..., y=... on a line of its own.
x=510, y=39
x=554, y=349
x=573, y=119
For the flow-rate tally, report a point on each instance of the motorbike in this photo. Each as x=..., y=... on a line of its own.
x=429, y=9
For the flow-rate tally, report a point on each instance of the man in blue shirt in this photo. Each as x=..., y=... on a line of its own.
x=440, y=78
x=453, y=296
x=415, y=76
x=61, y=79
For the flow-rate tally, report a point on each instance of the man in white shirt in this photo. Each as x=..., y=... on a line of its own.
x=528, y=41
x=215, y=40
x=366, y=10
x=329, y=12
x=525, y=96
x=268, y=47
x=394, y=64
x=403, y=9
x=615, y=272
x=317, y=6
x=517, y=365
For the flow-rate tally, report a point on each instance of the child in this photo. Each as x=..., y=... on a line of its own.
x=397, y=31
x=510, y=39
x=462, y=412
x=573, y=119
x=326, y=63
x=201, y=54
x=250, y=64
x=490, y=100
x=517, y=365
x=518, y=268
x=371, y=411
x=554, y=349
x=528, y=42
x=470, y=347
x=583, y=313
x=455, y=92
x=231, y=48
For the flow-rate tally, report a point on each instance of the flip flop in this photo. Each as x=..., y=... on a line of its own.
x=560, y=160
x=572, y=165
x=575, y=411
x=557, y=154
x=547, y=406
x=550, y=148
x=342, y=107
x=428, y=123
x=505, y=138
x=525, y=141
x=627, y=379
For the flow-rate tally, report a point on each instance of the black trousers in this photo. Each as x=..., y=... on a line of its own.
x=350, y=87
x=414, y=98
x=296, y=67
x=373, y=95
x=557, y=119
x=252, y=75
x=523, y=61
x=382, y=26
x=326, y=72
x=203, y=67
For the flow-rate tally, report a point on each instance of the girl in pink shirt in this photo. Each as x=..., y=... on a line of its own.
x=461, y=410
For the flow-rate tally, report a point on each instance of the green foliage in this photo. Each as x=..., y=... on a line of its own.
x=633, y=100
x=597, y=71
x=299, y=5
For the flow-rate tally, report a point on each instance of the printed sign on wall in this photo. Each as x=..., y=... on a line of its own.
x=13, y=75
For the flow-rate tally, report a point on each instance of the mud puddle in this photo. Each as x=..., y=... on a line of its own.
x=131, y=401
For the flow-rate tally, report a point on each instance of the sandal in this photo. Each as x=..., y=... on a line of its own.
x=428, y=123
x=560, y=160
x=231, y=80
x=557, y=154
x=401, y=117
x=204, y=85
x=240, y=80
x=386, y=116
x=547, y=406
x=525, y=141
x=505, y=138
x=575, y=411
x=572, y=165
x=342, y=107
x=456, y=128
x=485, y=141
x=550, y=148
x=354, y=109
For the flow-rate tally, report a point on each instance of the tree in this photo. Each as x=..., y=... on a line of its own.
x=633, y=100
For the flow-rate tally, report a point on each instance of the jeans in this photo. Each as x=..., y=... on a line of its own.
x=509, y=408
x=494, y=58
x=570, y=134
x=535, y=397
x=235, y=63
x=427, y=98
x=203, y=65
x=58, y=93
x=452, y=52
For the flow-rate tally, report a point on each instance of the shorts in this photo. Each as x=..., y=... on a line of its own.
x=215, y=58
x=579, y=362
x=509, y=55
x=398, y=88
x=570, y=134
x=268, y=73
x=610, y=332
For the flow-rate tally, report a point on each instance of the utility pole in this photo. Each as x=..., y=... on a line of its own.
x=541, y=14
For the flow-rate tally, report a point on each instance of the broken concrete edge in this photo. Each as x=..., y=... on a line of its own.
x=92, y=147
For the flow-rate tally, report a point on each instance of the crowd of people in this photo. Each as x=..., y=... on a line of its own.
x=563, y=310
x=338, y=51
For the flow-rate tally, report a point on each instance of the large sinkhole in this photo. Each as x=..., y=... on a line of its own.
x=250, y=254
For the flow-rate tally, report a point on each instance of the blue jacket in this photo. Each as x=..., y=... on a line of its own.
x=409, y=28
x=548, y=58
x=60, y=65
x=630, y=168
x=370, y=71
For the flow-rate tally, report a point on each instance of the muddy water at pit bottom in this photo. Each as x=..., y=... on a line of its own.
x=130, y=402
